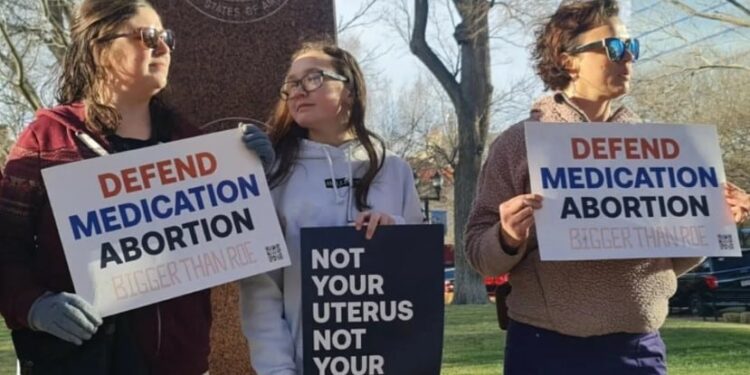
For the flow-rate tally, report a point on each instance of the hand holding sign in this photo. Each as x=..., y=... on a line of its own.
x=517, y=217
x=372, y=219
x=66, y=316
x=256, y=140
x=738, y=201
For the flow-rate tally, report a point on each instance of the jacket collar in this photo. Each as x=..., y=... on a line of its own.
x=73, y=117
x=559, y=108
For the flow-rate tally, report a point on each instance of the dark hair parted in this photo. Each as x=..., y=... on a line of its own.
x=84, y=77
x=286, y=134
x=559, y=33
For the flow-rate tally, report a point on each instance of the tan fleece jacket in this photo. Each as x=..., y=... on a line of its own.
x=577, y=298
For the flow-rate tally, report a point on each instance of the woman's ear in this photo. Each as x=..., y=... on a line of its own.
x=571, y=64
x=348, y=95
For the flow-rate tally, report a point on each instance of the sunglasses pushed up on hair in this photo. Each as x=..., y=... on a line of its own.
x=616, y=48
x=150, y=36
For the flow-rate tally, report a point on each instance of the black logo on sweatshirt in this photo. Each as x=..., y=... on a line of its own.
x=340, y=183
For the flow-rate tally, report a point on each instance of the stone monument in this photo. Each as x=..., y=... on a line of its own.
x=227, y=66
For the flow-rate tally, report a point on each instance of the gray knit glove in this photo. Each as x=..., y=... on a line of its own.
x=64, y=315
x=258, y=141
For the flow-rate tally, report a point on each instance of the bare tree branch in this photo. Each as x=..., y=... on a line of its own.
x=55, y=12
x=670, y=70
x=19, y=71
x=444, y=47
x=716, y=66
x=403, y=15
x=713, y=16
x=419, y=47
x=357, y=19
x=741, y=7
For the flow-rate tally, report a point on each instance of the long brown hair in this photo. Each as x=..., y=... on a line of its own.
x=84, y=78
x=560, y=32
x=286, y=134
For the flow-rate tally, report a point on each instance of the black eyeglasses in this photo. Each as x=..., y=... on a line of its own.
x=310, y=82
x=150, y=37
x=615, y=47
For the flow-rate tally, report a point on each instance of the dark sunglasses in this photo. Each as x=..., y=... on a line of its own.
x=150, y=37
x=615, y=47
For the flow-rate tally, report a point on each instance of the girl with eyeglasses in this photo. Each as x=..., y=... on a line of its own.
x=573, y=317
x=114, y=69
x=330, y=170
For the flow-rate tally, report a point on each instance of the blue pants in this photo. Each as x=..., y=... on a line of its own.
x=535, y=351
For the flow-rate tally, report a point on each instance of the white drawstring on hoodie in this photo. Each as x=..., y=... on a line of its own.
x=333, y=175
x=340, y=197
x=349, y=163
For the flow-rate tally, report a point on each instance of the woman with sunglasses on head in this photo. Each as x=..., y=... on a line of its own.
x=573, y=317
x=114, y=69
x=330, y=171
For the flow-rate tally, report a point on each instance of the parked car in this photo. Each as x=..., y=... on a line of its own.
x=489, y=282
x=744, y=236
x=717, y=283
x=492, y=282
x=450, y=279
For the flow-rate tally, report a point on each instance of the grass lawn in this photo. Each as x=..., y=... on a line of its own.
x=474, y=345
x=7, y=355
x=696, y=347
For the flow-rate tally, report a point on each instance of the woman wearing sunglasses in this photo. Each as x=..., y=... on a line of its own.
x=576, y=317
x=114, y=69
x=330, y=171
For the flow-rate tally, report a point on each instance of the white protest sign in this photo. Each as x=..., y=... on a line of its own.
x=155, y=223
x=614, y=191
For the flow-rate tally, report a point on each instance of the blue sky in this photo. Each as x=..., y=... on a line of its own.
x=664, y=31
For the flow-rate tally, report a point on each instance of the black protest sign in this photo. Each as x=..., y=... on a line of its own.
x=372, y=306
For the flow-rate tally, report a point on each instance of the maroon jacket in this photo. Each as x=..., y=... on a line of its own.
x=173, y=334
